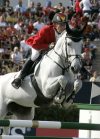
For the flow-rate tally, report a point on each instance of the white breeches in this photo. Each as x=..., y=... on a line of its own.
x=35, y=54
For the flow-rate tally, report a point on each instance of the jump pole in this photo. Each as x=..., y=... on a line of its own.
x=33, y=137
x=49, y=124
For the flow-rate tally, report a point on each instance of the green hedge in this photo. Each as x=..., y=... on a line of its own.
x=55, y=113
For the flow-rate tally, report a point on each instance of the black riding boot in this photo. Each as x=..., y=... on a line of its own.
x=24, y=72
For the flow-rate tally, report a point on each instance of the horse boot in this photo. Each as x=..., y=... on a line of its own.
x=24, y=72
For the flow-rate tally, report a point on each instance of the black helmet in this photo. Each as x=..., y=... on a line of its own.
x=59, y=18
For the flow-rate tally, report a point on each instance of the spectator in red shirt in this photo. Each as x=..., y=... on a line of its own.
x=30, y=27
x=78, y=8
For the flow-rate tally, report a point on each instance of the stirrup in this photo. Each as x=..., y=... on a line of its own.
x=59, y=100
x=17, y=83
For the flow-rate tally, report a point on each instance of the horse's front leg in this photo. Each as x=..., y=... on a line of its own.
x=77, y=85
x=55, y=84
x=66, y=88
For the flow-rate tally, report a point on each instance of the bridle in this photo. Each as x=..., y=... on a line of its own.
x=66, y=58
x=66, y=43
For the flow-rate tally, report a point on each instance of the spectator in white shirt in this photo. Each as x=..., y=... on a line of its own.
x=38, y=24
x=86, y=6
x=16, y=56
x=25, y=48
x=18, y=26
x=20, y=7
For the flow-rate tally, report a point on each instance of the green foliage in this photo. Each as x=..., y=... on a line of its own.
x=56, y=113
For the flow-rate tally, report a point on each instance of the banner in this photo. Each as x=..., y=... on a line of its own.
x=89, y=93
x=95, y=93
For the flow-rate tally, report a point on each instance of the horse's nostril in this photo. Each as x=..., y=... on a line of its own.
x=72, y=68
x=75, y=70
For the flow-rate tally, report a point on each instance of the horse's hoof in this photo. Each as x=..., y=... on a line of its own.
x=66, y=105
x=58, y=100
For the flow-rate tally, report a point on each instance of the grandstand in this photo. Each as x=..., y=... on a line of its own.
x=96, y=63
x=54, y=2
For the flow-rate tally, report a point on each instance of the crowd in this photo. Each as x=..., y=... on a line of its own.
x=19, y=23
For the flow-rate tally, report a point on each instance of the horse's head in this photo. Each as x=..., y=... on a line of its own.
x=69, y=49
x=73, y=54
x=74, y=48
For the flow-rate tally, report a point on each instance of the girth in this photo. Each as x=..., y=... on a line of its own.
x=40, y=100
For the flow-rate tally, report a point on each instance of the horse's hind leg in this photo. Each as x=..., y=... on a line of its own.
x=3, y=110
x=3, y=113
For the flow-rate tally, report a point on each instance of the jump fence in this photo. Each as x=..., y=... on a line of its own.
x=49, y=124
x=33, y=137
x=89, y=107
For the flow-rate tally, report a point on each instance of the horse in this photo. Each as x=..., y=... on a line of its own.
x=52, y=81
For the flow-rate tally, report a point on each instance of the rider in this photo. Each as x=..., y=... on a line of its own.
x=41, y=41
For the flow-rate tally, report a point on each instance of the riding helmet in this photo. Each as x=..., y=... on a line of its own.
x=59, y=18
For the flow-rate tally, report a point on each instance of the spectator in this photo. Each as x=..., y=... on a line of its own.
x=11, y=18
x=25, y=48
x=9, y=65
x=86, y=55
x=92, y=48
x=30, y=27
x=14, y=42
x=39, y=10
x=98, y=24
x=86, y=6
x=8, y=8
x=88, y=32
x=20, y=7
x=2, y=47
x=60, y=7
x=38, y=24
x=3, y=70
x=48, y=3
x=78, y=8
x=10, y=30
x=16, y=56
x=18, y=26
x=94, y=76
x=87, y=64
x=2, y=18
x=69, y=12
x=75, y=21
x=32, y=7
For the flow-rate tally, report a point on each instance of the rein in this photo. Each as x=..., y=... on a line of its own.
x=63, y=68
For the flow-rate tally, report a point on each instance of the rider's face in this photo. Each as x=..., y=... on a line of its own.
x=60, y=27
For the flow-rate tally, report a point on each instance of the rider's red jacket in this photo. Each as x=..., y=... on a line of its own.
x=43, y=38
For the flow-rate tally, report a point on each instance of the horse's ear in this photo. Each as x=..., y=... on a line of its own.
x=69, y=31
x=72, y=32
x=75, y=32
